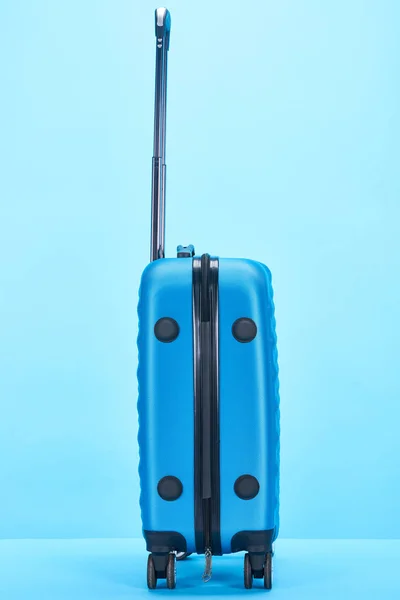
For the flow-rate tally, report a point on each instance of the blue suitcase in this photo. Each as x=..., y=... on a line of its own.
x=208, y=395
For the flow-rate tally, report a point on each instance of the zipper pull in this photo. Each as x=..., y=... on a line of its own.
x=208, y=566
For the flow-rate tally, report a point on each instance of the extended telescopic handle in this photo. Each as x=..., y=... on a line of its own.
x=163, y=28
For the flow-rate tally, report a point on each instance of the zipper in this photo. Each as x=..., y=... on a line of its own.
x=206, y=377
x=208, y=565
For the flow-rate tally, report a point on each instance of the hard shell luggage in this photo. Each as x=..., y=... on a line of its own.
x=208, y=394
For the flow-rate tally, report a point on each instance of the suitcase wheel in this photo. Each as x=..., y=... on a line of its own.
x=151, y=573
x=161, y=567
x=248, y=572
x=258, y=570
x=268, y=571
x=171, y=571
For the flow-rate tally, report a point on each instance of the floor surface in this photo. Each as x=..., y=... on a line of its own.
x=115, y=569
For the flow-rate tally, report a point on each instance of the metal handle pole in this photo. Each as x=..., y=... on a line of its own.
x=163, y=28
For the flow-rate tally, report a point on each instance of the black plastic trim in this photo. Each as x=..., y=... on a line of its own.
x=206, y=375
x=215, y=421
x=198, y=502
x=163, y=542
x=258, y=542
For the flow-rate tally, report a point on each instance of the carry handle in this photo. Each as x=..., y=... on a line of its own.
x=162, y=31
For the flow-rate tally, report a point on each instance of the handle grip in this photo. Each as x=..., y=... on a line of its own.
x=163, y=24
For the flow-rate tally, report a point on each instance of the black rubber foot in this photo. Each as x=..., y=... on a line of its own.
x=268, y=571
x=248, y=573
x=151, y=574
x=171, y=572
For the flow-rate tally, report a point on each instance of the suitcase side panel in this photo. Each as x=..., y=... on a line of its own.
x=165, y=402
x=249, y=400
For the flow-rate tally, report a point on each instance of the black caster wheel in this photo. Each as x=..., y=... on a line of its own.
x=182, y=555
x=151, y=574
x=268, y=571
x=248, y=573
x=171, y=572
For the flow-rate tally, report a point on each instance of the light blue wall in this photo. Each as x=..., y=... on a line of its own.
x=283, y=144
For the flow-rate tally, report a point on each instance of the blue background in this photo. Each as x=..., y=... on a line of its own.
x=283, y=145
